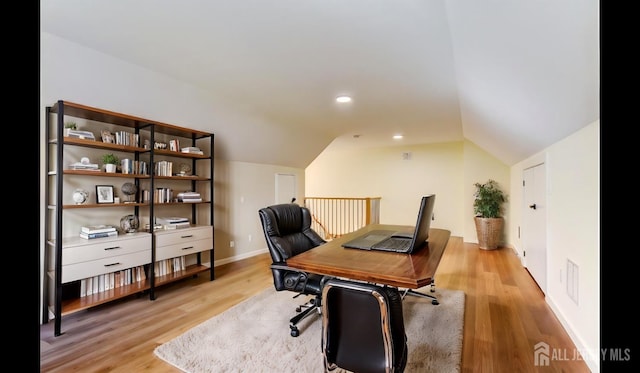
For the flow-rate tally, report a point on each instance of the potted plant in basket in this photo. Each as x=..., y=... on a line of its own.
x=487, y=208
x=110, y=162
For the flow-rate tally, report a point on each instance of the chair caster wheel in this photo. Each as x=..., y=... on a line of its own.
x=294, y=331
x=298, y=309
x=435, y=302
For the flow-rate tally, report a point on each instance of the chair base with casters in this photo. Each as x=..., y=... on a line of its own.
x=363, y=328
x=305, y=310
x=298, y=281
x=434, y=300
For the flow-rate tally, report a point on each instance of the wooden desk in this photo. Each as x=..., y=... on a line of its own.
x=401, y=270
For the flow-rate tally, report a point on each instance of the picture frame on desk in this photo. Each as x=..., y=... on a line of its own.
x=104, y=194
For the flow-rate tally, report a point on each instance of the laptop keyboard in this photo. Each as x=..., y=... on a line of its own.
x=392, y=244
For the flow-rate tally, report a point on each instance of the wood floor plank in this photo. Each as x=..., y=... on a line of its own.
x=505, y=316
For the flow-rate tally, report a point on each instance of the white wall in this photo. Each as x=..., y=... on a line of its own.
x=241, y=190
x=573, y=232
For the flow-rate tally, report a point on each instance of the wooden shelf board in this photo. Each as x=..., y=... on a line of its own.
x=94, y=205
x=78, y=304
x=102, y=173
x=101, y=145
x=192, y=177
x=173, y=153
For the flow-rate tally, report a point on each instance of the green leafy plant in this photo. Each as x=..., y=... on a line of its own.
x=109, y=158
x=70, y=125
x=488, y=200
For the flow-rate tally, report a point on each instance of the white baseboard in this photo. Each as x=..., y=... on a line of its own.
x=593, y=362
x=235, y=258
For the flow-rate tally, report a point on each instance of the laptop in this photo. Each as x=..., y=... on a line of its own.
x=399, y=242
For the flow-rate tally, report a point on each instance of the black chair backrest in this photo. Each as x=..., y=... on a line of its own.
x=287, y=230
x=363, y=327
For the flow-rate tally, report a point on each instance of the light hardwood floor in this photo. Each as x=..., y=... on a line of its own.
x=505, y=316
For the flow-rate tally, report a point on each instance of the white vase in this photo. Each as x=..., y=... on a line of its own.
x=110, y=168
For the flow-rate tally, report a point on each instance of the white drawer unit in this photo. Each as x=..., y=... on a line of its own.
x=183, y=242
x=184, y=248
x=181, y=235
x=87, y=258
x=81, y=250
x=97, y=267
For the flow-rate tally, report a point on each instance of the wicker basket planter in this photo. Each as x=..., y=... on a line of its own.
x=489, y=231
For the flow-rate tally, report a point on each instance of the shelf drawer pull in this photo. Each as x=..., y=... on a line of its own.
x=112, y=248
x=112, y=264
x=187, y=248
x=189, y=236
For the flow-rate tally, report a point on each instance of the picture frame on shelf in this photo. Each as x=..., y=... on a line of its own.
x=104, y=194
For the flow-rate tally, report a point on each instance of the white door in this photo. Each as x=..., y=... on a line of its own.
x=286, y=188
x=534, y=224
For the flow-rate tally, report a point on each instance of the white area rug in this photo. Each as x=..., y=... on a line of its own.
x=253, y=336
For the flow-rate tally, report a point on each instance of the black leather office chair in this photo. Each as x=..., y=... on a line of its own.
x=362, y=327
x=287, y=230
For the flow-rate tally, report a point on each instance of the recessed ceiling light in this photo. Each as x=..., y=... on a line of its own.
x=397, y=137
x=343, y=99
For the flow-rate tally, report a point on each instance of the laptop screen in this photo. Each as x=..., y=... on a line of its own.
x=421, y=233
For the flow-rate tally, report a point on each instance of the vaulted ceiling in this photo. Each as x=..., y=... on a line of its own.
x=511, y=76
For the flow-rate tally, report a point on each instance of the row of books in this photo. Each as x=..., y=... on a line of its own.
x=127, y=138
x=160, y=195
x=89, y=232
x=113, y=280
x=163, y=168
x=168, y=266
x=131, y=166
x=109, y=281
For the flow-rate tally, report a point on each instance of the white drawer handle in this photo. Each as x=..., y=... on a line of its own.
x=186, y=236
x=187, y=248
x=112, y=264
x=112, y=248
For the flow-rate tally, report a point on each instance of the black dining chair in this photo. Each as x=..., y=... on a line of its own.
x=287, y=230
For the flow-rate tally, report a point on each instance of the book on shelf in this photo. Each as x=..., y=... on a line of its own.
x=189, y=197
x=101, y=228
x=85, y=166
x=147, y=227
x=177, y=225
x=89, y=236
x=81, y=134
x=192, y=150
x=170, y=220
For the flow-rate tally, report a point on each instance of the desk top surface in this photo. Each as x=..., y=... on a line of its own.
x=402, y=270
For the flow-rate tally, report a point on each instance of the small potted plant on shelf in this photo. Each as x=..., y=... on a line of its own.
x=487, y=206
x=110, y=162
x=68, y=126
